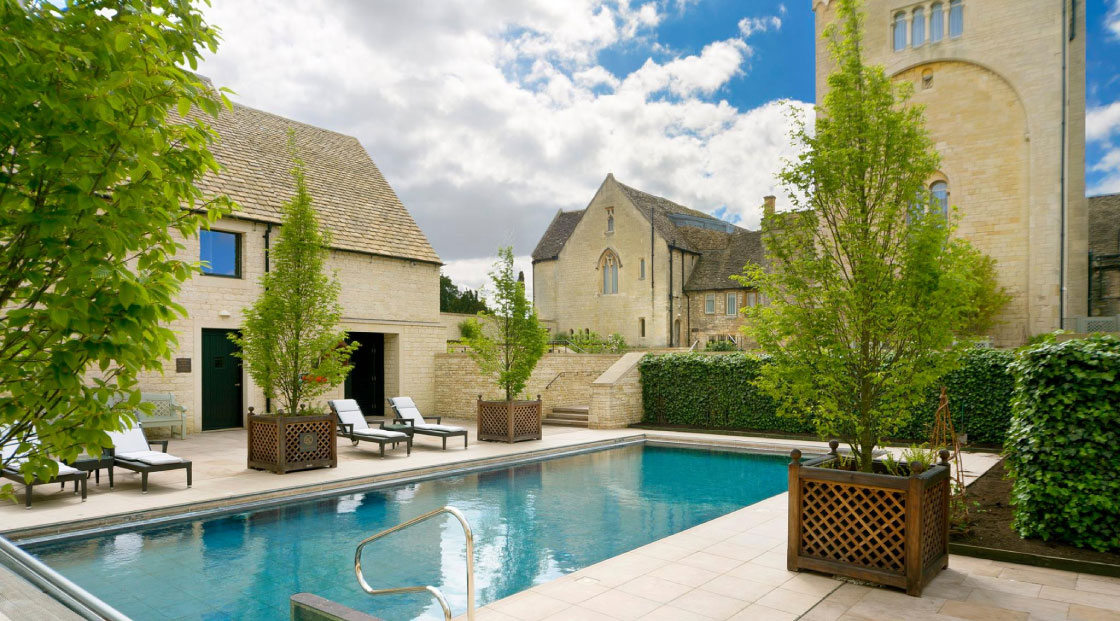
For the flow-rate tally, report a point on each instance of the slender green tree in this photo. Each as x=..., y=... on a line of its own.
x=291, y=342
x=509, y=340
x=871, y=297
x=97, y=192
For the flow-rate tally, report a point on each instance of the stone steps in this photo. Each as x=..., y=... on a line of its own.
x=568, y=416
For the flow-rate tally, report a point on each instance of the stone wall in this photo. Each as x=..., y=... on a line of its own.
x=994, y=108
x=398, y=298
x=616, y=396
x=460, y=382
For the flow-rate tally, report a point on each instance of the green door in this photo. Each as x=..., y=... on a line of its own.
x=221, y=381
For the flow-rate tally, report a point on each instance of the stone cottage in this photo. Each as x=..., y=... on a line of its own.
x=645, y=267
x=388, y=272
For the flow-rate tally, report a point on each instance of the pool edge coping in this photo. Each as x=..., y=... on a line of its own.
x=105, y=524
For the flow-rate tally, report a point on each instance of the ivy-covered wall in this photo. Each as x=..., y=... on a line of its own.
x=716, y=392
x=1064, y=442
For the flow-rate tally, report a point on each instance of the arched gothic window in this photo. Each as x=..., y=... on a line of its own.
x=936, y=22
x=918, y=28
x=608, y=265
x=956, y=18
x=940, y=191
x=899, y=31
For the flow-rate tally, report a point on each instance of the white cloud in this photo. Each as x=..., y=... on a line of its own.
x=751, y=25
x=1112, y=20
x=1102, y=121
x=488, y=117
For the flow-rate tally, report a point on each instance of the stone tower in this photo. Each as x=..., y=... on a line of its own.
x=1003, y=85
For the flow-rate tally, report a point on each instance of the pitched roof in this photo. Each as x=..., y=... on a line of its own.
x=348, y=191
x=1104, y=224
x=557, y=233
x=661, y=207
x=722, y=256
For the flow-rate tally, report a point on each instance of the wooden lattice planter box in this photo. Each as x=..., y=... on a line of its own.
x=887, y=529
x=286, y=443
x=509, y=421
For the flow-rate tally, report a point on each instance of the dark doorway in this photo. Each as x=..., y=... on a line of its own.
x=221, y=381
x=366, y=382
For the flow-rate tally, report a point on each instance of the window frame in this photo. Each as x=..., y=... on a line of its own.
x=609, y=264
x=610, y=220
x=709, y=304
x=917, y=26
x=642, y=327
x=936, y=13
x=731, y=302
x=956, y=6
x=642, y=269
x=899, y=24
x=237, y=272
x=942, y=202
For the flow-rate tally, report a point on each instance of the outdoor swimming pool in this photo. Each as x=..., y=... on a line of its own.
x=532, y=523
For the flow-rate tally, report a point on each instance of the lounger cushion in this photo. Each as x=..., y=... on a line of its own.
x=430, y=427
x=411, y=414
x=130, y=440
x=63, y=469
x=152, y=458
x=349, y=413
x=381, y=433
x=404, y=402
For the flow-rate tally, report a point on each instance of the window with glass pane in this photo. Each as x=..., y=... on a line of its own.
x=940, y=191
x=918, y=28
x=732, y=303
x=710, y=304
x=609, y=266
x=220, y=253
x=642, y=267
x=752, y=298
x=936, y=22
x=899, y=31
x=956, y=18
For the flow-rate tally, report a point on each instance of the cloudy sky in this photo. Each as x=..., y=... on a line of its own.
x=487, y=116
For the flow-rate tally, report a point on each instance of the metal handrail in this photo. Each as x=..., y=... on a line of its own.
x=430, y=589
x=55, y=585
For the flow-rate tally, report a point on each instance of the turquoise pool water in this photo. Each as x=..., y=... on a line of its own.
x=532, y=523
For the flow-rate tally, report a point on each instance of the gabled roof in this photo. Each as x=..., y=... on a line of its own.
x=723, y=247
x=558, y=232
x=349, y=193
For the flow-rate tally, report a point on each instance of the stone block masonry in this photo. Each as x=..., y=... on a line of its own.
x=560, y=380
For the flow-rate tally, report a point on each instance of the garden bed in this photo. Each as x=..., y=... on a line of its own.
x=991, y=527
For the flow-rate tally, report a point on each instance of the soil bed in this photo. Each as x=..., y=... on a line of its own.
x=991, y=523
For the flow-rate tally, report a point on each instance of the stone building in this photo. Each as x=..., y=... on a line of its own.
x=388, y=272
x=642, y=266
x=1104, y=255
x=1003, y=85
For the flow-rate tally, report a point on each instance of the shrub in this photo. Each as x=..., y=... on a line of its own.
x=721, y=346
x=710, y=391
x=469, y=328
x=719, y=392
x=1064, y=442
x=592, y=343
x=979, y=399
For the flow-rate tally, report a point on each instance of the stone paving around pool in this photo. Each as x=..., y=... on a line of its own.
x=734, y=567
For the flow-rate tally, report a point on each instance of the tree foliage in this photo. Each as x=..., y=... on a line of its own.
x=509, y=340
x=291, y=342
x=455, y=299
x=870, y=292
x=97, y=188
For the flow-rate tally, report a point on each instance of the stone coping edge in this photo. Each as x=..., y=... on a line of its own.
x=1036, y=560
x=118, y=522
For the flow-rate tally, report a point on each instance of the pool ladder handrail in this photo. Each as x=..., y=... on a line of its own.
x=430, y=589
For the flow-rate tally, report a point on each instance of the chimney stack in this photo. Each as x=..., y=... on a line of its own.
x=768, y=205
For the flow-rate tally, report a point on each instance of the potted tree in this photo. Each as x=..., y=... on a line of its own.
x=506, y=344
x=871, y=300
x=292, y=345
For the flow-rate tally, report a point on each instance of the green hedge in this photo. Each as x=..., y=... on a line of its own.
x=716, y=392
x=1063, y=449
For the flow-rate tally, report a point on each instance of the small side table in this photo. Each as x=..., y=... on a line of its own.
x=88, y=463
